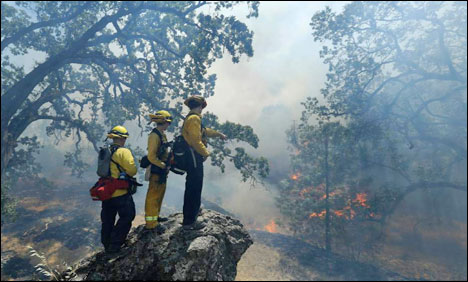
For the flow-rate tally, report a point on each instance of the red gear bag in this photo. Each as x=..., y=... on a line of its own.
x=105, y=187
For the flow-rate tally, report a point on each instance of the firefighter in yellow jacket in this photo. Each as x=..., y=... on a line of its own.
x=195, y=135
x=158, y=157
x=122, y=164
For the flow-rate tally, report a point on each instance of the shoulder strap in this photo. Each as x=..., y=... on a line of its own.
x=113, y=150
x=155, y=130
x=163, y=144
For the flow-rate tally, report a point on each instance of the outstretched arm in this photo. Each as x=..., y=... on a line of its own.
x=213, y=133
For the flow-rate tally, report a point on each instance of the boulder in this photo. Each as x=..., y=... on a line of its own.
x=172, y=253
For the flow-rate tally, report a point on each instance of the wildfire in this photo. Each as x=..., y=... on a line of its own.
x=361, y=199
x=271, y=227
x=318, y=188
x=295, y=176
x=305, y=191
x=339, y=213
x=320, y=214
x=347, y=212
x=330, y=194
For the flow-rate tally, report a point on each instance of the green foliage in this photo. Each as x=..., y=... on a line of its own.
x=23, y=163
x=248, y=166
x=9, y=203
x=106, y=63
x=401, y=93
x=327, y=154
x=393, y=116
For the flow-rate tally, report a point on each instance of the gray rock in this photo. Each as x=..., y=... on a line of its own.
x=210, y=253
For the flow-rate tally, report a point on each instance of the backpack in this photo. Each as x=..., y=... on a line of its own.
x=144, y=163
x=104, y=160
x=103, y=189
x=181, y=157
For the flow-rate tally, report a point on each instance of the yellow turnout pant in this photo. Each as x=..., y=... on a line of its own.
x=154, y=198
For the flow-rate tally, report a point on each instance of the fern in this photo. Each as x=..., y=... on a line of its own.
x=54, y=273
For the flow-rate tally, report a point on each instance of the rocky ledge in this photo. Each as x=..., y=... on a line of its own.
x=172, y=253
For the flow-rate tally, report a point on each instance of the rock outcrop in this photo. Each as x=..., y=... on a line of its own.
x=172, y=253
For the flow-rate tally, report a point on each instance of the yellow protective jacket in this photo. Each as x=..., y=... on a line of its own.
x=194, y=136
x=154, y=143
x=124, y=158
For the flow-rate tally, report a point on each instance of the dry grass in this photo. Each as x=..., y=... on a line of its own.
x=263, y=263
x=139, y=220
x=419, y=253
x=11, y=243
x=429, y=251
x=39, y=205
x=260, y=263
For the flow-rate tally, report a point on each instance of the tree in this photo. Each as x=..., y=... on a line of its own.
x=324, y=196
x=391, y=119
x=397, y=72
x=111, y=62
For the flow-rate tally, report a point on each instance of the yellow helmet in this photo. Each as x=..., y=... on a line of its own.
x=161, y=117
x=118, y=132
x=195, y=101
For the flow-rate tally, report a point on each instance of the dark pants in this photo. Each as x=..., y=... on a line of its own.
x=193, y=188
x=114, y=236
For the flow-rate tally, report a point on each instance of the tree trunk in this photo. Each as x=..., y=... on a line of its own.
x=327, y=204
x=8, y=146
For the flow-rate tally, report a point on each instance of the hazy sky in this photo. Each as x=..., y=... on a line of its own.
x=264, y=91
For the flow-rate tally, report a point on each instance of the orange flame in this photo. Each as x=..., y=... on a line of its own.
x=339, y=213
x=272, y=227
x=320, y=214
x=330, y=194
x=347, y=212
x=295, y=176
x=361, y=199
x=305, y=191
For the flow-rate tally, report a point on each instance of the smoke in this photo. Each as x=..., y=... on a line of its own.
x=265, y=92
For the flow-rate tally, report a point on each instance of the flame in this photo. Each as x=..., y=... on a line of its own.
x=361, y=199
x=347, y=212
x=321, y=214
x=295, y=176
x=271, y=227
x=330, y=194
x=305, y=191
x=339, y=213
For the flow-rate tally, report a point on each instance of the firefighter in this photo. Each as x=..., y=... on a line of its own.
x=195, y=135
x=158, y=157
x=122, y=165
